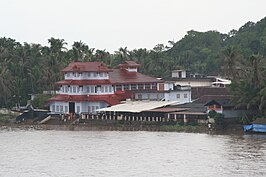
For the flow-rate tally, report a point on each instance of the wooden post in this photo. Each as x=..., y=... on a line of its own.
x=185, y=119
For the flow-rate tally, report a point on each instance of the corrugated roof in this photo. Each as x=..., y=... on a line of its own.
x=120, y=76
x=137, y=106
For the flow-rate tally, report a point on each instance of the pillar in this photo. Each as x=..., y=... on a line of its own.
x=185, y=119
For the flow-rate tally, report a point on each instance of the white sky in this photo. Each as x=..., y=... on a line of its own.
x=110, y=24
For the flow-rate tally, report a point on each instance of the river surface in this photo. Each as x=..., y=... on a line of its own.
x=34, y=153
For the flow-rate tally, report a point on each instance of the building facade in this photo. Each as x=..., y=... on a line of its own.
x=88, y=86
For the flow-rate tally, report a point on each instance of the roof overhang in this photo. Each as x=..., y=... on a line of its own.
x=137, y=106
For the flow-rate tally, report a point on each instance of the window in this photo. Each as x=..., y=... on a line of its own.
x=126, y=87
x=110, y=88
x=70, y=89
x=140, y=86
x=218, y=106
x=88, y=89
x=95, y=74
x=68, y=74
x=89, y=109
x=74, y=89
x=147, y=86
x=139, y=96
x=101, y=74
x=93, y=109
x=148, y=96
x=61, y=109
x=66, y=108
x=133, y=86
x=89, y=74
x=53, y=108
x=178, y=95
x=57, y=108
x=93, y=89
x=154, y=86
x=118, y=87
x=78, y=109
x=185, y=95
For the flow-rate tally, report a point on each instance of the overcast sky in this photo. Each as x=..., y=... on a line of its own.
x=110, y=24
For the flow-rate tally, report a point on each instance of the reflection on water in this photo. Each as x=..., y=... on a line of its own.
x=114, y=153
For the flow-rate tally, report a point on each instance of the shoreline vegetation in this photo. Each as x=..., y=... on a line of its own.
x=32, y=69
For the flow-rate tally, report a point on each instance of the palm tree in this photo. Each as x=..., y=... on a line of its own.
x=231, y=62
x=6, y=81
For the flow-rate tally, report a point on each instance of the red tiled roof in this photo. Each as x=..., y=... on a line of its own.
x=83, y=82
x=119, y=76
x=62, y=97
x=131, y=63
x=87, y=66
x=109, y=99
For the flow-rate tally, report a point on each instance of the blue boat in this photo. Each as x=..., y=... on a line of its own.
x=257, y=126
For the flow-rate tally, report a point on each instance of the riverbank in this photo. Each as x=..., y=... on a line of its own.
x=232, y=129
x=7, y=123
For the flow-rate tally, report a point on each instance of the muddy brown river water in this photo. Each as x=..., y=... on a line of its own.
x=31, y=153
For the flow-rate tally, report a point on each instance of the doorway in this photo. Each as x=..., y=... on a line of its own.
x=71, y=107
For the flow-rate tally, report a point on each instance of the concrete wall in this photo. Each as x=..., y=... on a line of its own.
x=182, y=96
x=80, y=107
x=149, y=96
x=194, y=83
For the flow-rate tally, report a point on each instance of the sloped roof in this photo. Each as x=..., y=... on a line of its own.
x=109, y=99
x=222, y=102
x=192, y=107
x=131, y=63
x=206, y=98
x=197, y=92
x=87, y=67
x=137, y=106
x=119, y=76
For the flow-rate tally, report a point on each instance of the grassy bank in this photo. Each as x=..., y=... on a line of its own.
x=6, y=119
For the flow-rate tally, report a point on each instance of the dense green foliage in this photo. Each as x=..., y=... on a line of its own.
x=240, y=55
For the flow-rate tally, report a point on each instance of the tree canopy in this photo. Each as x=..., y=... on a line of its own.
x=239, y=55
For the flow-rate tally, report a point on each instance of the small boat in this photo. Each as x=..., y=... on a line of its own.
x=257, y=126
